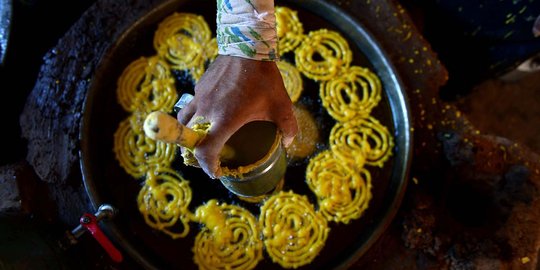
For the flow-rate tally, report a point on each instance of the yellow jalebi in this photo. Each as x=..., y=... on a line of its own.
x=352, y=94
x=322, y=55
x=163, y=201
x=181, y=52
x=293, y=232
x=146, y=85
x=211, y=50
x=343, y=191
x=290, y=31
x=137, y=153
x=184, y=40
x=291, y=79
x=229, y=238
x=188, y=24
x=365, y=137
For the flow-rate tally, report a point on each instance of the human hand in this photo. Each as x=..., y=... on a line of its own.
x=235, y=91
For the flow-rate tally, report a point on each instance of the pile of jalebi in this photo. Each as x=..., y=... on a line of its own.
x=292, y=230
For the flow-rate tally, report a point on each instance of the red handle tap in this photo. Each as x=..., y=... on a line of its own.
x=90, y=223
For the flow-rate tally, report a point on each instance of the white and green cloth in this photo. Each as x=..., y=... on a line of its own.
x=247, y=28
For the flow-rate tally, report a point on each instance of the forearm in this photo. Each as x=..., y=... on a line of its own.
x=247, y=28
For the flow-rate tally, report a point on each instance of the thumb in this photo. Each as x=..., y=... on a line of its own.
x=208, y=151
x=207, y=155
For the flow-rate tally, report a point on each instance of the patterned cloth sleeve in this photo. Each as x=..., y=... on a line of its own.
x=247, y=28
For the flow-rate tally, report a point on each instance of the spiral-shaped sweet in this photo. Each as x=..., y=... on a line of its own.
x=143, y=77
x=135, y=152
x=322, y=55
x=290, y=31
x=188, y=24
x=182, y=52
x=129, y=82
x=229, y=239
x=362, y=138
x=354, y=93
x=349, y=144
x=163, y=201
x=292, y=80
x=159, y=96
x=343, y=192
x=293, y=232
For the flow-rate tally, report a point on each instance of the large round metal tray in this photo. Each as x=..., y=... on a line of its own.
x=106, y=182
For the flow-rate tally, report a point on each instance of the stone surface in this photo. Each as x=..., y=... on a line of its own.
x=51, y=117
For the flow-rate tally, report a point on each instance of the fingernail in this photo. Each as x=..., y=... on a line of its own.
x=288, y=141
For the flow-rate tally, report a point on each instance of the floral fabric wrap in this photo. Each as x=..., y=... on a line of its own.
x=247, y=28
